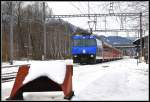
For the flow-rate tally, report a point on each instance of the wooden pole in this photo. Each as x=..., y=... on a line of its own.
x=11, y=34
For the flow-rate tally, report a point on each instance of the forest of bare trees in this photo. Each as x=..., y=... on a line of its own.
x=28, y=32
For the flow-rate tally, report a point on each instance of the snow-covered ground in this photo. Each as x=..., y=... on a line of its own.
x=115, y=80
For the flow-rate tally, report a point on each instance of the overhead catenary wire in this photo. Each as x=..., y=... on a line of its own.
x=121, y=18
x=82, y=6
x=76, y=7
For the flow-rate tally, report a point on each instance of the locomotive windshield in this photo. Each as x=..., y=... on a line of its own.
x=84, y=42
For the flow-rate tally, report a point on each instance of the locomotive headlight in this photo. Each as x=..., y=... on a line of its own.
x=92, y=55
x=75, y=55
x=83, y=51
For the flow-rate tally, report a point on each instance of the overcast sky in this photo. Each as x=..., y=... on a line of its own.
x=68, y=8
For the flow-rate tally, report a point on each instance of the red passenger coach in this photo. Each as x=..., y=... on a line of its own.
x=110, y=53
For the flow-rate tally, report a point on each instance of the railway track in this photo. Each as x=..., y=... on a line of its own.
x=9, y=72
x=7, y=77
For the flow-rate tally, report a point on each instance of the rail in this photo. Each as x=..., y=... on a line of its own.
x=10, y=76
x=14, y=66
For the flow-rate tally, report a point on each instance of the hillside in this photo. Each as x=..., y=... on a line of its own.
x=113, y=40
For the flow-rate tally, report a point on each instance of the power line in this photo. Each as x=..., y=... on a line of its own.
x=76, y=7
x=91, y=8
x=116, y=16
x=121, y=19
x=82, y=7
x=106, y=5
x=88, y=9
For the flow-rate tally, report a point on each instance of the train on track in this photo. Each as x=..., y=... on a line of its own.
x=89, y=49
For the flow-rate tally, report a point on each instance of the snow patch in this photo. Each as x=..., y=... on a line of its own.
x=69, y=62
x=43, y=96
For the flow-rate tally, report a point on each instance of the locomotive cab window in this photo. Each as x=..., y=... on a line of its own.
x=84, y=42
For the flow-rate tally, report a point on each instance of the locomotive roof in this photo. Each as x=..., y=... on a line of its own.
x=83, y=36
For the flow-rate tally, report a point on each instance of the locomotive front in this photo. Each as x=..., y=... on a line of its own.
x=84, y=49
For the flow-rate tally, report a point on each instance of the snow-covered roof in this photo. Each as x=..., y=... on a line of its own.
x=139, y=38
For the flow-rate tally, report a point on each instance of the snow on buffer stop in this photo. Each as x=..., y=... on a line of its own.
x=46, y=76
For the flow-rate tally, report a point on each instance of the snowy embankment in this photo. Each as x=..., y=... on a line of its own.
x=116, y=80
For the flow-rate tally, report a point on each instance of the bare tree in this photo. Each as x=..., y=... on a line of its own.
x=137, y=7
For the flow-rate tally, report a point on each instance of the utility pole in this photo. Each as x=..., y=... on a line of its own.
x=44, y=30
x=11, y=33
x=95, y=22
x=121, y=25
x=141, y=48
x=105, y=25
x=29, y=41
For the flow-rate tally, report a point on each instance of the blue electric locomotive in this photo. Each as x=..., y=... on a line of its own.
x=84, y=48
x=88, y=49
